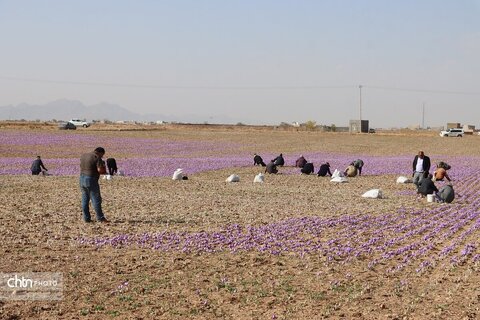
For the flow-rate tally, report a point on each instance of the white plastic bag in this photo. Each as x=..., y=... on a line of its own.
x=403, y=179
x=339, y=179
x=337, y=173
x=178, y=174
x=233, y=178
x=259, y=178
x=374, y=194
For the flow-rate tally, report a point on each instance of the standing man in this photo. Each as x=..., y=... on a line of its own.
x=91, y=166
x=421, y=164
x=37, y=166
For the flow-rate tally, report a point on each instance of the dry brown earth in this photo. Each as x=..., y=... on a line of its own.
x=40, y=220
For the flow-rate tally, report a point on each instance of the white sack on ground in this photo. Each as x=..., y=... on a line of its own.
x=337, y=173
x=374, y=194
x=403, y=179
x=233, y=178
x=259, y=178
x=178, y=174
x=339, y=179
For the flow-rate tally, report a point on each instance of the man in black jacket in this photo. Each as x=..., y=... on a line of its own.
x=421, y=164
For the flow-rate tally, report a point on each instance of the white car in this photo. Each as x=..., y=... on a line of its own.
x=452, y=133
x=80, y=123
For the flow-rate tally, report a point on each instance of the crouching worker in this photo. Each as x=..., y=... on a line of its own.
x=324, y=170
x=37, y=166
x=307, y=168
x=441, y=172
x=445, y=194
x=427, y=186
x=112, y=166
x=258, y=161
x=271, y=168
x=358, y=164
x=301, y=162
x=350, y=171
x=279, y=161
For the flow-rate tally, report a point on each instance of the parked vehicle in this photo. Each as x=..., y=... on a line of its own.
x=371, y=130
x=453, y=132
x=80, y=123
x=66, y=126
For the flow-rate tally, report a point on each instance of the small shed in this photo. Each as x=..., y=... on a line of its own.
x=359, y=126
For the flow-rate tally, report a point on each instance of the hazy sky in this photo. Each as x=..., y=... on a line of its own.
x=263, y=61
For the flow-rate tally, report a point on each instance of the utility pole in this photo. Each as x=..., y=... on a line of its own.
x=360, y=88
x=423, y=116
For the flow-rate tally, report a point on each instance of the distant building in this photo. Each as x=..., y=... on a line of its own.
x=359, y=126
x=453, y=125
x=468, y=129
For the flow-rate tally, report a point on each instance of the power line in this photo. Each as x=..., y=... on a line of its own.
x=423, y=90
x=152, y=86
x=214, y=87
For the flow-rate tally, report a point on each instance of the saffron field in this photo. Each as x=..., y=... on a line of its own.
x=294, y=247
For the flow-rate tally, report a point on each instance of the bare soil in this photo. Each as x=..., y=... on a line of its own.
x=40, y=224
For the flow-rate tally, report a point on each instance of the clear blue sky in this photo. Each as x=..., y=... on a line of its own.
x=262, y=61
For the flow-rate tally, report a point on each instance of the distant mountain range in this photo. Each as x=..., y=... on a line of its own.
x=65, y=110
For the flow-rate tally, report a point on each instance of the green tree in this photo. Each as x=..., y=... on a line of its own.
x=310, y=125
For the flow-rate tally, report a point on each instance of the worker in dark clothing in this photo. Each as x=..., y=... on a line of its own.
x=258, y=161
x=308, y=168
x=359, y=165
x=301, y=162
x=271, y=168
x=427, y=186
x=446, y=193
x=37, y=166
x=112, y=166
x=279, y=161
x=324, y=170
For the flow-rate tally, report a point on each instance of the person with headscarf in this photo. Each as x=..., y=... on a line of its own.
x=258, y=161
x=324, y=170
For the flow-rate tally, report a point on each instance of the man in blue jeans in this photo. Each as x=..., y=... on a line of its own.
x=91, y=166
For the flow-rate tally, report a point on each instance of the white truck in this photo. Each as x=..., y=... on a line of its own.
x=80, y=123
x=453, y=132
